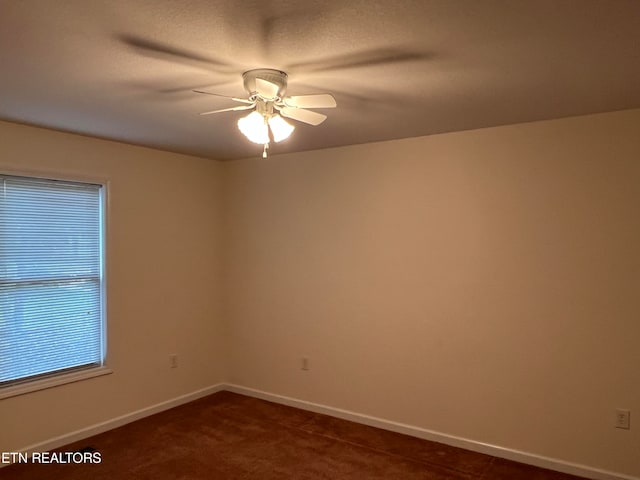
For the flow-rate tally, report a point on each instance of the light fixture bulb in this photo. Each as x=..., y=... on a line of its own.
x=280, y=128
x=254, y=127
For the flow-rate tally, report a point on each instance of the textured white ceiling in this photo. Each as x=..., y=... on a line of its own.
x=124, y=69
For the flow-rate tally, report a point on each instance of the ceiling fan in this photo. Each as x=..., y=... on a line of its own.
x=266, y=89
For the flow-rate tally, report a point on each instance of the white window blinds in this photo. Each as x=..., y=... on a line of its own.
x=51, y=302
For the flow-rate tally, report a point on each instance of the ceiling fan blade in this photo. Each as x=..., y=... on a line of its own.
x=266, y=89
x=302, y=115
x=235, y=99
x=231, y=109
x=320, y=100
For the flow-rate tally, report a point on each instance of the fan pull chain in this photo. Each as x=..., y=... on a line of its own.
x=264, y=150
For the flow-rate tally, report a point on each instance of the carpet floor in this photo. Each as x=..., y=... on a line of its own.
x=230, y=436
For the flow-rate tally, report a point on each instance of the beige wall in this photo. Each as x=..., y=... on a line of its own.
x=163, y=284
x=482, y=284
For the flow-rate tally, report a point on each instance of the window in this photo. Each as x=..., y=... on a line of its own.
x=51, y=279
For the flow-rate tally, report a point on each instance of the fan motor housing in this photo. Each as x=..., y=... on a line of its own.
x=277, y=77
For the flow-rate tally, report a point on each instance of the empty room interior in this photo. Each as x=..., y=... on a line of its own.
x=332, y=239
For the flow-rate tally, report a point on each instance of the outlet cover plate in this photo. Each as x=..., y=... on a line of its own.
x=623, y=418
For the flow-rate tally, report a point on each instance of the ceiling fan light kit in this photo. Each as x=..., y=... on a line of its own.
x=266, y=89
x=280, y=128
x=254, y=127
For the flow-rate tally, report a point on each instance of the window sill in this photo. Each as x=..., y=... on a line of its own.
x=16, y=390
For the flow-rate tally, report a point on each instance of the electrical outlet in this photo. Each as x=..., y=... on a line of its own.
x=305, y=363
x=173, y=360
x=623, y=418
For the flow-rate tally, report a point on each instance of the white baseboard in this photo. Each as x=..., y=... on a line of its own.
x=101, y=427
x=494, y=450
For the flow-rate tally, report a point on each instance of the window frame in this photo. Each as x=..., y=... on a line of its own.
x=63, y=377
